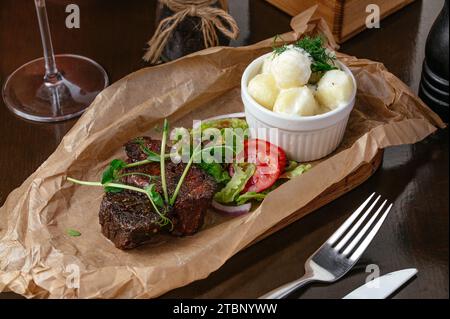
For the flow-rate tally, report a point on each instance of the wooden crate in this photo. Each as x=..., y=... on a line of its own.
x=346, y=18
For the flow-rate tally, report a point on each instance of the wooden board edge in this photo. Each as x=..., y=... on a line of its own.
x=335, y=191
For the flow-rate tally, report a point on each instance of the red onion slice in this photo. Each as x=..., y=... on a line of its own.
x=232, y=210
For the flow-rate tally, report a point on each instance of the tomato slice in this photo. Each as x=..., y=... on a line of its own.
x=270, y=161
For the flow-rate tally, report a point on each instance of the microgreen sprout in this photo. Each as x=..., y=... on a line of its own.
x=163, y=160
x=148, y=191
x=183, y=176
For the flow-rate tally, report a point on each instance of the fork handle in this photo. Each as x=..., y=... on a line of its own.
x=285, y=290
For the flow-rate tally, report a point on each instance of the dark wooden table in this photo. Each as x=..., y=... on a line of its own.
x=415, y=177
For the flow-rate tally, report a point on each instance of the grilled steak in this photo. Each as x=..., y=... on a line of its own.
x=127, y=219
x=196, y=192
x=134, y=151
x=187, y=214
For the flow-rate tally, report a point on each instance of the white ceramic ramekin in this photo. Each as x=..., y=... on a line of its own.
x=302, y=138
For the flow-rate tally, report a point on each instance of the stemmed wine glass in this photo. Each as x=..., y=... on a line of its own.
x=56, y=87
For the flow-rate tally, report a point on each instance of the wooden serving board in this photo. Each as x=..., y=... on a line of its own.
x=353, y=180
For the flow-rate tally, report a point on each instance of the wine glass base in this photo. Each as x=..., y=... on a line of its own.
x=80, y=80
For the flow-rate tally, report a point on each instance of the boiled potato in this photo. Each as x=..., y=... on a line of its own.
x=334, y=89
x=264, y=90
x=292, y=68
x=267, y=65
x=322, y=110
x=296, y=101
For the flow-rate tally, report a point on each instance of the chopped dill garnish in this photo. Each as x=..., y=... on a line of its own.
x=277, y=50
x=322, y=60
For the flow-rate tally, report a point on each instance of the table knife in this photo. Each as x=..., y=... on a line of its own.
x=384, y=286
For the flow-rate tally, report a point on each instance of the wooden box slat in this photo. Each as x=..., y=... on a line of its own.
x=346, y=18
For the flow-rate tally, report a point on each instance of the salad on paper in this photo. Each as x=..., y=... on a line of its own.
x=257, y=168
x=169, y=185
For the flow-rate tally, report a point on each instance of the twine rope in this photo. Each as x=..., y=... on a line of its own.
x=211, y=18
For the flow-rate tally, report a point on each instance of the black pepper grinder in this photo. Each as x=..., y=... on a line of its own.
x=434, y=85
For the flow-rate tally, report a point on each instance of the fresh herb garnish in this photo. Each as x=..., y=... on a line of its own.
x=277, y=50
x=150, y=177
x=163, y=161
x=73, y=233
x=154, y=195
x=164, y=220
x=322, y=59
x=111, y=174
x=151, y=156
x=183, y=176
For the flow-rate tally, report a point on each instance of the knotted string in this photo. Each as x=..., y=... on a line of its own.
x=211, y=19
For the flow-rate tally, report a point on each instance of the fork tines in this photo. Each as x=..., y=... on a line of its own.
x=353, y=237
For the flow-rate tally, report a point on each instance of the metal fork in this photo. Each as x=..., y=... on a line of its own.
x=340, y=252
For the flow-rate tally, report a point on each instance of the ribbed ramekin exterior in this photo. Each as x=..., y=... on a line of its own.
x=303, y=146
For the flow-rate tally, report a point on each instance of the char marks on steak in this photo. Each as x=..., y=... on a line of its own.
x=127, y=219
x=190, y=207
x=134, y=150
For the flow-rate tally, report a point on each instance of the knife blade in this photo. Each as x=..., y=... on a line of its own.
x=384, y=286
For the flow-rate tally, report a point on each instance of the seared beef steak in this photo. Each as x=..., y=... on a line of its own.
x=193, y=200
x=187, y=214
x=127, y=219
x=196, y=192
x=134, y=148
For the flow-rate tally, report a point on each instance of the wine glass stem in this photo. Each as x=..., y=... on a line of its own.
x=51, y=71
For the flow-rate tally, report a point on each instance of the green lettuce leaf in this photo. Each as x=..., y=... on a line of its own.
x=299, y=170
x=216, y=171
x=244, y=198
x=225, y=123
x=237, y=183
